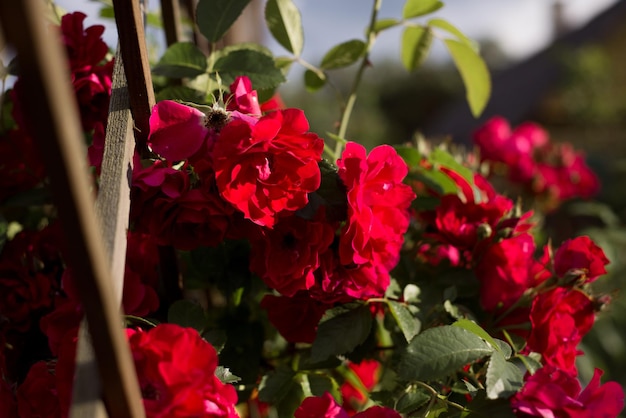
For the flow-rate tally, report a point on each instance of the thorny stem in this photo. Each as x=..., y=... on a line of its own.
x=347, y=111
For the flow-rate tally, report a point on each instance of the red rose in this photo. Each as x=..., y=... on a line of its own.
x=320, y=407
x=560, y=318
x=551, y=392
x=21, y=166
x=338, y=283
x=37, y=396
x=176, y=131
x=268, y=168
x=286, y=257
x=506, y=270
x=8, y=404
x=378, y=205
x=23, y=295
x=242, y=98
x=85, y=47
x=176, y=372
x=368, y=372
x=62, y=322
x=296, y=317
x=580, y=253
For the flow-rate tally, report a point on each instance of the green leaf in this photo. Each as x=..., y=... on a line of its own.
x=411, y=402
x=313, y=80
x=416, y=41
x=225, y=376
x=442, y=158
x=415, y=8
x=477, y=330
x=259, y=67
x=382, y=24
x=182, y=93
x=436, y=180
x=453, y=30
x=342, y=333
x=410, y=155
x=344, y=54
x=437, y=352
x=215, y=17
x=275, y=384
x=182, y=59
x=504, y=378
x=187, y=314
x=320, y=384
x=409, y=325
x=285, y=23
x=474, y=73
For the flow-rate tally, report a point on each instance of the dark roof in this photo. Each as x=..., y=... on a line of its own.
x=517, y=89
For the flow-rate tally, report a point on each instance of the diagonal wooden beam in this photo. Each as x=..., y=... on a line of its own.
x=129, y=21
x=52, y=118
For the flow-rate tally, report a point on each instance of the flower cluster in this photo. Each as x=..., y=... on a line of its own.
x=243, y=174
x=554, y=171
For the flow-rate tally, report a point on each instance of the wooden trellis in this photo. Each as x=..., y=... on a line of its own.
x=105, y=382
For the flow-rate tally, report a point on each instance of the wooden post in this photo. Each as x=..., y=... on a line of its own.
x=52, y=117
x=170, y=12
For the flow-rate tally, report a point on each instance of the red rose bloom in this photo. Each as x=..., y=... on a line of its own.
x=176, y=131
x=378, y=205
x=580, y=253
x=368, y=372
x=320, y=407
x=21, y=166
x=560, y=318
x=286, y=257
x=551, y=392
x=296, y=318
x=268, y=168
x=176, y=372
x=8, y=404
x=506, y=270
x=242, y=98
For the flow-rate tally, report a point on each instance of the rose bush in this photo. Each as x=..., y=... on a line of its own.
x=331, y=280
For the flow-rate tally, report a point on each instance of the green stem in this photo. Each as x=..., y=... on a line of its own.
x=347, y=111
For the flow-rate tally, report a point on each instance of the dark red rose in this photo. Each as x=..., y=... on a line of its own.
x=295, y=318
x=287, y=256
x=85, y=47
x=560, y=318
x=581, y=254
x=23, y=295
x=378, y=412
x=267, y=169
x=37, y=396
x=368, y=372
x=21, y=166
x=550, y=392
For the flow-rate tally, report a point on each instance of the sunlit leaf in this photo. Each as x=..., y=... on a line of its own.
x=439, y=351
x=382, y=24
x=215, y=17
x=182, y=59
x=453, y=30
x=344, y=54
x=285, y=23
x=504, y=378
x=476, y=329
x=407, y=322
x=443, y=158
x=415, y=8
x=410, y=155
x=416, y=41
x=259, y=67
x=474, y=73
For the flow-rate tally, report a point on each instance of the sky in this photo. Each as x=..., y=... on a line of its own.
x=521, y=27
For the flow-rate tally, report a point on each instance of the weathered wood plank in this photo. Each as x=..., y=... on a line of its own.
x=52, y=116
x=112, y=209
